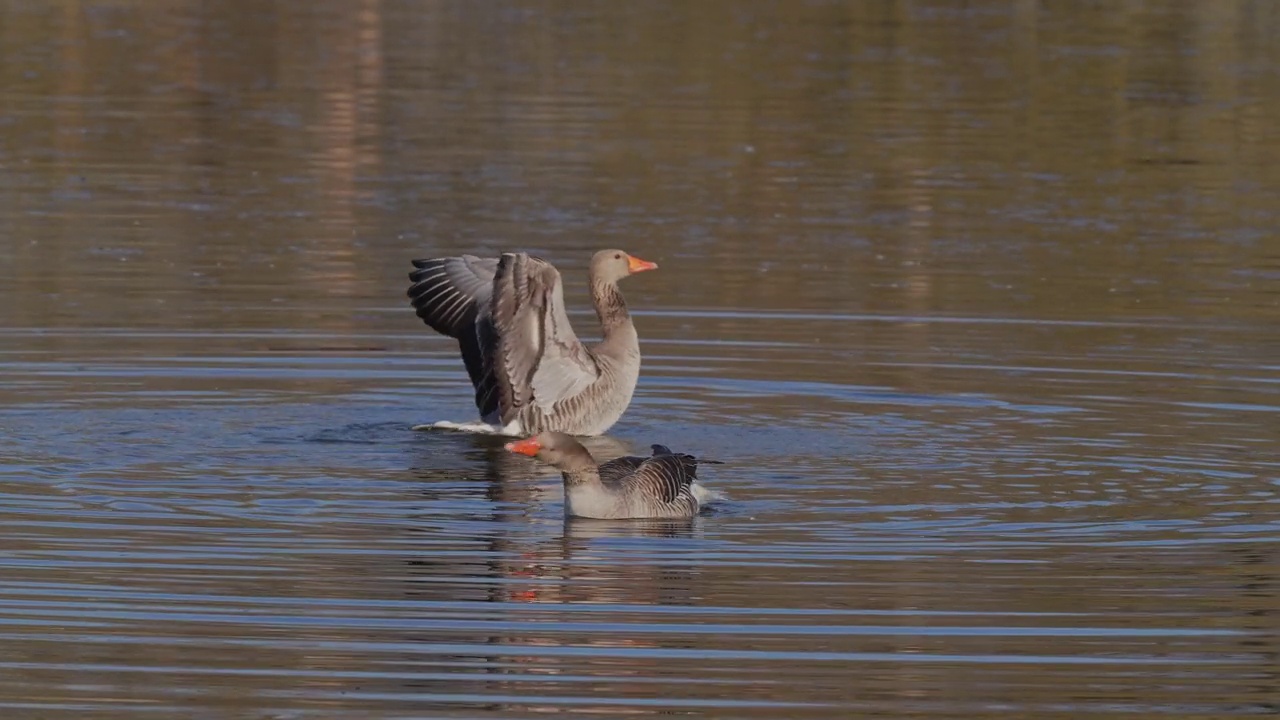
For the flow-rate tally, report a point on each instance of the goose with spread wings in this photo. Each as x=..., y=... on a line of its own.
x=529, y=370
x=663, y=485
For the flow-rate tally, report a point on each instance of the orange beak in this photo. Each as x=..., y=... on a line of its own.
x=528, y=446
x=635, y=264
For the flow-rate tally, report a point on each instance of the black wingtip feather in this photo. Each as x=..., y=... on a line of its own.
x=437, y=300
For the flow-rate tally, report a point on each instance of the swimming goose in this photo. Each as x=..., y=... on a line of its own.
x=529, y=370
x=661, y=486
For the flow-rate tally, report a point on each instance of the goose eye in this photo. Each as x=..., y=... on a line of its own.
x=617, y=256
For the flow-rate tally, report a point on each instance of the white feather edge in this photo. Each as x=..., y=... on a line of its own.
x=511, y=429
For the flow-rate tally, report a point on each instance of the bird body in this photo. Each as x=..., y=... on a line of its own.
x=660, y=486
x=529, y=370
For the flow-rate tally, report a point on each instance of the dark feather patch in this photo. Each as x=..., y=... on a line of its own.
x=451, y=295
x=665, y=477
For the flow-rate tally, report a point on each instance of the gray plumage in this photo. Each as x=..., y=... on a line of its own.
x=659, y=486
x=524, y=360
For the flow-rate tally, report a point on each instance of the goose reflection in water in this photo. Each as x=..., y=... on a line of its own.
x=511, y=528
x=523, y=578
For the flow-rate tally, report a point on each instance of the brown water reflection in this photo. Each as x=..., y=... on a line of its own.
x=977, y=300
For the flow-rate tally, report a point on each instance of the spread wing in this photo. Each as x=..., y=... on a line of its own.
x=447, y=293
x=538, y=357
x=452, y=295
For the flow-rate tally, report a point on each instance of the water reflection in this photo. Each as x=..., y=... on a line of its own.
x=468, y=478
x=538, y=577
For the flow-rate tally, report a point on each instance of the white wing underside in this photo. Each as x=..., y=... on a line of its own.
x=565, y=369
x=562, y=367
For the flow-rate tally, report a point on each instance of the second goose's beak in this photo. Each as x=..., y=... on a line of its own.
x=529, y=446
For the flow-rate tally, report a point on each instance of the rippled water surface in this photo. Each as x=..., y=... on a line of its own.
x=977, y=302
